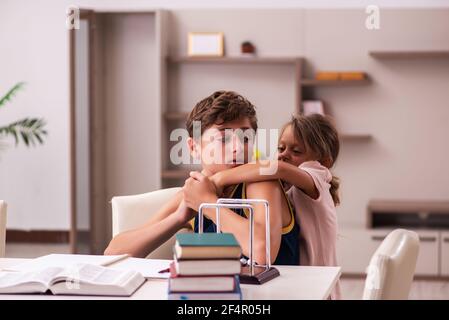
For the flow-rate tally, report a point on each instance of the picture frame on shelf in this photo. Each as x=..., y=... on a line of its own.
x=205, y=44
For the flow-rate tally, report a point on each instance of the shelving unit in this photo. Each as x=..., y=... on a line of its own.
x=301, y=84
x=178, y=116
x=308, y=85
x=427, y=54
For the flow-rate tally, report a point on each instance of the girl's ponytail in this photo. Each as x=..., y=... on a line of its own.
x=335, y=184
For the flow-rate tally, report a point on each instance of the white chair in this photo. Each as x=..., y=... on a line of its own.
x=129, y=212
x=2, y=227
x=392, y=267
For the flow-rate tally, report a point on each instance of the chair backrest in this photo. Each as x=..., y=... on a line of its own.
x=129, y=212
x=392, y=267
x=2, y=227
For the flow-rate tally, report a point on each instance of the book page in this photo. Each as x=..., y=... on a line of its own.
x=85, y=279
x=64, y=261
x=87, y=273
x=149, y=268
x=45, y=276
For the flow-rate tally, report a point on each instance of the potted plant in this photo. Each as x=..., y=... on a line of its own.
x=27, y=130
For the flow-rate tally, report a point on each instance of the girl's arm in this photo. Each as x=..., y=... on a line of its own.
x=162, y=226
x=251, y=172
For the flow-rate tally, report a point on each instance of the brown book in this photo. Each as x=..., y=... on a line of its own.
x=326, y=75
x=352, y=75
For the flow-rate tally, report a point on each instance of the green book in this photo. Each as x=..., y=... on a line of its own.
x=207, y=239
x=207, y=246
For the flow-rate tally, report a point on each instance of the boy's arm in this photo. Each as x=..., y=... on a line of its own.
x=252, y=172
x=142, y=240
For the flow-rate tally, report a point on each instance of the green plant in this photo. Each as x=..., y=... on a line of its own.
x=29, y=130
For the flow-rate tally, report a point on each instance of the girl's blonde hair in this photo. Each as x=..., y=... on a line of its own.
x=321, y=138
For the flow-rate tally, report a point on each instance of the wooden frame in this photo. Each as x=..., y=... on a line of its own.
x=88, y=15
x=219, y=50
x=99, y=205
x=72, y=231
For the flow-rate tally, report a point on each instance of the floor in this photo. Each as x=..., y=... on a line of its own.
x=28, y=250
x=351, y=288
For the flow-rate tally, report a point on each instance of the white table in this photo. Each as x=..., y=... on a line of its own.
x=294, y=283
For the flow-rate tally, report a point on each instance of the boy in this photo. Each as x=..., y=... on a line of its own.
x=220, y=114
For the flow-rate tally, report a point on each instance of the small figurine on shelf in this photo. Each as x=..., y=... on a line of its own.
x=248, y=49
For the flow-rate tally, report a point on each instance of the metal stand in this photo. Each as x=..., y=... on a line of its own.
x=251, y=273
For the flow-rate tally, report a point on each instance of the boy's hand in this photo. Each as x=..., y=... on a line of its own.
x=184, y=213
x=198, y=189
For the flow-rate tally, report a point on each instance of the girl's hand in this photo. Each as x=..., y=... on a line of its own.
x=198, y=189
x=204, y=172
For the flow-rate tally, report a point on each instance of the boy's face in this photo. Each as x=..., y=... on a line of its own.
x=225, y=145
x=290, y=149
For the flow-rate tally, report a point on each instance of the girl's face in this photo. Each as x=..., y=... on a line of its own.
x=291, y=150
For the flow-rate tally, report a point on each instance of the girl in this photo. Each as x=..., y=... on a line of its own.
x=308, y=148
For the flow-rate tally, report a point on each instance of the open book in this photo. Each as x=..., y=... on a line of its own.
x=65, y=261
x=79, y=279
x=149, y=268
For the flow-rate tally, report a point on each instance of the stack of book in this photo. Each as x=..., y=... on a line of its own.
x=205, y=267
x=334, y=75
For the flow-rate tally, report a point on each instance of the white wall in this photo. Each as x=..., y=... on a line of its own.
x=34, y=49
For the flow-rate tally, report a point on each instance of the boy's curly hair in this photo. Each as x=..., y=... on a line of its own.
x=220, y=107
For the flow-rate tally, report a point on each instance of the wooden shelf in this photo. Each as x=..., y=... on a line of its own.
x=407, y=206
x=410, y=54
x=335, y=83
x=175, y=174
x=236, y=60
x=176, y=115
x=355, y=136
